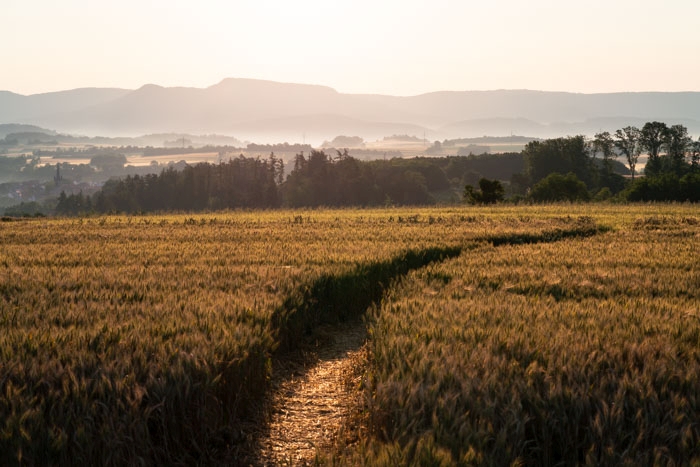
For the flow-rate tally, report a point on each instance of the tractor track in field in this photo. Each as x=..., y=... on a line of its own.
x=314, y=393
x=315, y=399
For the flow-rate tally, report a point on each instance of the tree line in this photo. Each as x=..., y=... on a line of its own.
x=317, y=179
x=569, y=168
x=574, y=168
x=239, y=183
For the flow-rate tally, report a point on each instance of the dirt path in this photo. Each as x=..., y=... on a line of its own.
x=313, y=397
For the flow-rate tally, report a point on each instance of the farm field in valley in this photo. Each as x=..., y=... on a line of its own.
x=523, y=333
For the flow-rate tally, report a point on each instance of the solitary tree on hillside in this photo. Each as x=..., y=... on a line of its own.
x=627, y=141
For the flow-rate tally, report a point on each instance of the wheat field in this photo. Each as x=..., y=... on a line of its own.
x=149, y=339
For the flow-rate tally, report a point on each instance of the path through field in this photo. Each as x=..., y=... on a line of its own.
x=313, y=397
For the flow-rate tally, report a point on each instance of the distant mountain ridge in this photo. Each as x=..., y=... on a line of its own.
x=9, y=128
x=16, y=108
x=273, y=111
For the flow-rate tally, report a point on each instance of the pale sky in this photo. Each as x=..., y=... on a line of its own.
x=404, y=47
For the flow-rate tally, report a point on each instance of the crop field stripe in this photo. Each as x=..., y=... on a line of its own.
x=582, y=231
x=333, y=298
x=339, y=297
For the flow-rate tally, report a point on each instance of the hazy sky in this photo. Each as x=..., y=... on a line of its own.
x=391, y=47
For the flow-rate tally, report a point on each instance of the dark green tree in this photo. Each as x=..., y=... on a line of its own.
x=490, y=192
x=678, y=143
x=695, y=156
x=627, y=140
x=558, y=187
x=277, y=165
x=409, y=187
x=666, y=187
x=603, y=143
x=560, y=155
x=652, y=137
x=71, y=205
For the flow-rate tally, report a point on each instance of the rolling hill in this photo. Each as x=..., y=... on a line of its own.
x=270, y=111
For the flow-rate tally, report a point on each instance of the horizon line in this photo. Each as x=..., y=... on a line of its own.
x=292, y=83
